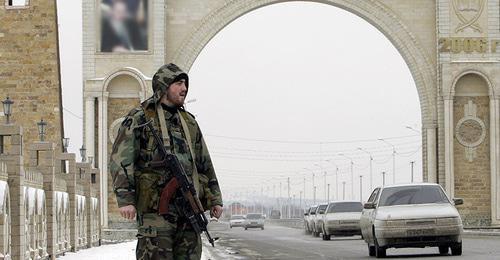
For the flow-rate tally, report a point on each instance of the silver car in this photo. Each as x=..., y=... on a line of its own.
x=411, y=215
x=342, y=219
x=237, y=221
x=317, y=219
x=254, y=220
x=309, y=219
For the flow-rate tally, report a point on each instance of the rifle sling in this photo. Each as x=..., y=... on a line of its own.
x=166, y=143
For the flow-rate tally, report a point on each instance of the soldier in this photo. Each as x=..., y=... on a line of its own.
x=137, y=184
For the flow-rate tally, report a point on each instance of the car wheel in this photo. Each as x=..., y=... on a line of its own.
x=262, y=228
x=456, y=249
x=230, y=226
x=443, y=250
x=246, y=228
x=379, y=251
x=371, y=250
x=326, y=237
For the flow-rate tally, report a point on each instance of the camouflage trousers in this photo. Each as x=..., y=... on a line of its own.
x=159, y=239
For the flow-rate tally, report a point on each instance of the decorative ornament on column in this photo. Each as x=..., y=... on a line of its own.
x=468, y=13
x=470, y=131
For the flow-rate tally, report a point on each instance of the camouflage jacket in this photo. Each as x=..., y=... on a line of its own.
x=135, y=182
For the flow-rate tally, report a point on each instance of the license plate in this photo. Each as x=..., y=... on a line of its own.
x=421, y=232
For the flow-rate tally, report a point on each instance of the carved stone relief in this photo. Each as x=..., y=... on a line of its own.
x=470, y=131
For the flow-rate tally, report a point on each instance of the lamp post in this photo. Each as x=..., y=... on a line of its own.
x=393, y=159
x=312, y=181
x=383, y=178
x=361, y=188
x=336, y=178
x=324, y=178
x=7, y=109
x=343, y=190
x=42, y=128
x=83, y=153
x=65, y=143
x=371, y=168
x=412, y=163
x=352, y=174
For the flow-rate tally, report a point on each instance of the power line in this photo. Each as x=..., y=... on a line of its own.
x=306, y=142
x=73, y=114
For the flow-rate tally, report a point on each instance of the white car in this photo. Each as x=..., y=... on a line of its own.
x=411, y=215
x=317, y=219
x=342, y=219
x=237, y=221
x=309, y=221
x=254, y=220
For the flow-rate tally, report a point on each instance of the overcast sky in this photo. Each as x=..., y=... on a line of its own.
x=280, y=91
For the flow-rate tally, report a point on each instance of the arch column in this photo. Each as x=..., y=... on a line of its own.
x=431, y=143
x=495, y=158
x=90, y=125
x=448, y=146
x=103, y=155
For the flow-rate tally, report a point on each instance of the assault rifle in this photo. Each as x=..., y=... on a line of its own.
x=191, y=206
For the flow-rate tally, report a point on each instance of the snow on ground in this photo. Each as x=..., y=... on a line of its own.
x=121, y=251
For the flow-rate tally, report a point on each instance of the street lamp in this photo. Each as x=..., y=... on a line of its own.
x=83, y=153
x=7, y=109
x=393, y=159
x=352, y=174
x=324, y=177
x=383, y=178
x=42, y=128
x=336, y=177
x=413, y=129
x=312, y=181
x=343, y=190
x=361, y=188
x=371, y=161
x=65, y=142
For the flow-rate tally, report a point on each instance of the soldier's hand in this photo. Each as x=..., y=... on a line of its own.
x=216, y=211
x=128, y=212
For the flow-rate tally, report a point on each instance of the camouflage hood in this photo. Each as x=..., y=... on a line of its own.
x=166, y=75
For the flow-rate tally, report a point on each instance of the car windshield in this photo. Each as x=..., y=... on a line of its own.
x=345, y=207
x=237, y=217
x=254, y=216
x=313, y=211
x=412, y=195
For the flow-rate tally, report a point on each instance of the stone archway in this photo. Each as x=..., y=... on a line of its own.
x=420, y=63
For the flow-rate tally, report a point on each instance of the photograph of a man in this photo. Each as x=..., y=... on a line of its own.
x=124, y=25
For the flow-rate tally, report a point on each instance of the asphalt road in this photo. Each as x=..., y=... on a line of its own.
x=276, y=242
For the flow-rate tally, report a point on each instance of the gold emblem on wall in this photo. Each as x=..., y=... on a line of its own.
x=468, y=13
x=470, y=131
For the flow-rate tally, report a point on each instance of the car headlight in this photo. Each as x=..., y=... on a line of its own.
x=448, y=221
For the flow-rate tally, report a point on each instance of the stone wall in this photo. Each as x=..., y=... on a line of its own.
x=29, y=67
x=473, y=175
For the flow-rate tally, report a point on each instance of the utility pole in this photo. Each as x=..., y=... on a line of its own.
x=288, y=180
x=361, y=188
x=371, y=168
x=383, y=178
x=412, y=163
x=343, y=190
x=305, y=204
x=300, y=201
x=328, y=197
x=324, y=175
x=352, y=175
x=393, y=160
x=314, y=199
